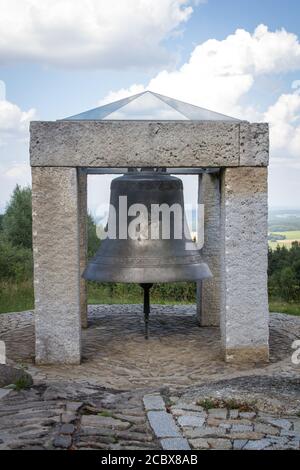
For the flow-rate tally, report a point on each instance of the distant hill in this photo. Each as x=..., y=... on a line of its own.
x=284, y=220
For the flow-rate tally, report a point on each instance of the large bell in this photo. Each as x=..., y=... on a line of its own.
x=155, y=248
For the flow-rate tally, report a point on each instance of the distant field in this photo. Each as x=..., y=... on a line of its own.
x=291, y=236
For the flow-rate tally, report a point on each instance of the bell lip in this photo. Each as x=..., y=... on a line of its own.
x=132, y=275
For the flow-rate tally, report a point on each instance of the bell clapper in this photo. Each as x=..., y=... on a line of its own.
x=146, y=288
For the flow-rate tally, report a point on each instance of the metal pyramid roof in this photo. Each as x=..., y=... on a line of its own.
x=149, y=106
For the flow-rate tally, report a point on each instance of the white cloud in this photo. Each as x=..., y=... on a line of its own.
x=14, y=123
x=220, y=73
x=284, y=119
x=89, y=33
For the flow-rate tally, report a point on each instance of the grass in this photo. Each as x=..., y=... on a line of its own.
x=291, y=236
x=15, y=297
x=102, y=294
x=284, y=307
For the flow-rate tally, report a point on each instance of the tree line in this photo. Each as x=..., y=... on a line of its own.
x=16, y=260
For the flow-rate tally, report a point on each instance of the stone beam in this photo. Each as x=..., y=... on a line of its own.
x=244, y=294
x=142, y=143
x=56, y=265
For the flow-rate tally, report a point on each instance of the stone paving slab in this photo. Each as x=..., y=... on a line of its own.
x=4, y=392
x=163, y=424
x=111, y=386
x=153, y=402
x=175, y=443
x=225, y=428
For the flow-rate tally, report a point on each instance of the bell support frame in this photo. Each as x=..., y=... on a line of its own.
x=231, y=159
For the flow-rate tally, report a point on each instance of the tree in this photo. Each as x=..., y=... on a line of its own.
x=17, y=220
x=93, y=240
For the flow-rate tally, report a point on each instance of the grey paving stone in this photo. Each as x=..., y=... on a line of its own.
x=267, y=429
x=280, y=423
x=188, y=407
x=241, y=428
x=191, y=420
x=104, y=421
x=4, y=392
x=222, y=444
x=296, y=426
x=62, y=441
x=199, y=443
x=257, y=445
x=67, y=429
x=233, y=414
x=68, y=417
x=153, y=402
x=175, y=443
x=163, y=424
x=239, y=444
x=203, y=431
x=217, y=413
x=247, y=414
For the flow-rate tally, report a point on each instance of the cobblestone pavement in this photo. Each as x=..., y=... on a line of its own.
x=99, y=404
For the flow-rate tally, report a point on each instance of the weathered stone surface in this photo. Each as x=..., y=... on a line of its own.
x=82, y=208
x=184, y=407
x=221, y=444
x=104, y=421
x=266, y=429
x=67, y=429
x=4, y=392
x=199, y=444
x=220, y=413
x=137, y=143
x=163, y=424
x=233, y=414
x=241, y=428
x=257, y=445
x=279, y=423
x=254, y=144
x=204, y=431
x=239, y=444
x=249, y=435
x=68, y=418
x=209, y=291
x=247, y=414
x=153, y=402
x=64, y=442
x=175, y=443
x=56, y=265
x=244, y=323
x=191, y=420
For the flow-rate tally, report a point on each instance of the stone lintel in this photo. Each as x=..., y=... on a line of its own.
x=141, y=143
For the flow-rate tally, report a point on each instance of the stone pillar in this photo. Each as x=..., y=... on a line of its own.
x=82, y=204
x=244, y=295
x=56, y=265
x=209, y=291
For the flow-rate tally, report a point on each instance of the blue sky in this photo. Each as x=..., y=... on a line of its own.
x=58, y=63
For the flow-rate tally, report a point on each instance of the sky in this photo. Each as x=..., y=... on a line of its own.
x=237, y=57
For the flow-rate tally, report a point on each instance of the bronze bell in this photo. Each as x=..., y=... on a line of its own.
x=147, y=246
